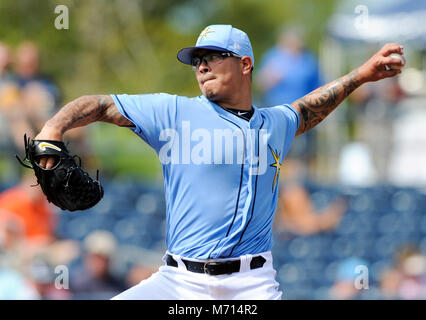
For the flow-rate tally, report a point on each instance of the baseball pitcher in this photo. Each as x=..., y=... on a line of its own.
x=221, y=158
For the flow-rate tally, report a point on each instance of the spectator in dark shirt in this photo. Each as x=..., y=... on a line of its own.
x=94, y=279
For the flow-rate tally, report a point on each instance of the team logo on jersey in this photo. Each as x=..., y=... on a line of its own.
x=276, y=165
x=45, y=145
x=204, y=33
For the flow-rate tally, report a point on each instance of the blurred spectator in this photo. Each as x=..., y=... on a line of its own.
x=374, y=120
x=287, y=72
x=9, y=97
x=408, y=138
x=29, y=77
x=94, y=280
x=346, y=285
x=38, y=96
x=12, y=241
x=29, y=206
x=14, y=286
x=42, y=275
x=145, y=263
x=296, y=213
x=5, y=62
x=407, y=278
x=27, y=100
x=390, y=282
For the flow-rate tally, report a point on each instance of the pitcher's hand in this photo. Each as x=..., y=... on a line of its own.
x=375, y=68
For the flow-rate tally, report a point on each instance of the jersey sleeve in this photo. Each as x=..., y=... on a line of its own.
x=290, y=117
x=150, y=114
x=286, y=119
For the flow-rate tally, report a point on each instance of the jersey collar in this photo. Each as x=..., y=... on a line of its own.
x=254, y=122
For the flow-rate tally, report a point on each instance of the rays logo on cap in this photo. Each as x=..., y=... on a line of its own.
x=45, y=145
x=204, y=33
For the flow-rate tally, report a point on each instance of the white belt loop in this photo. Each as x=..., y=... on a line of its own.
x=164, y=257
x=245, y=262
x=179, y=261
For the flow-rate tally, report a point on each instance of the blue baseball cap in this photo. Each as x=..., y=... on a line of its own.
x=222, y=38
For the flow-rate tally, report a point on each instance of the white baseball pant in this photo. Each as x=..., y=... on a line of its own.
x=177, y=283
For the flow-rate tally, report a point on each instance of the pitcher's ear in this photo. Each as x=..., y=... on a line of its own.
x=247, y=64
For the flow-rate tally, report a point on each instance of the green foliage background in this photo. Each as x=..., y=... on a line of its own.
x=130, y=46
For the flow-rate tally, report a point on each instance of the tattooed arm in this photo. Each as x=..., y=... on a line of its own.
x=315, y=106
x=79, y=113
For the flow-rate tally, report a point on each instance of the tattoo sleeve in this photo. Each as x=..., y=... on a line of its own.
x=315, y=106
x=88, y=109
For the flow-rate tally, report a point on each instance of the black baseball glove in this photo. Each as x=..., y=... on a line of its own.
x=66, y=185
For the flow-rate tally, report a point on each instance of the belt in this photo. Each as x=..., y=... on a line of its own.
x=216, y=268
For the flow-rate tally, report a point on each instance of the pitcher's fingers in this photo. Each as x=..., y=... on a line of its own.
x=50, y=163
x=42, y=162
x=391, y=48
x=46, y=162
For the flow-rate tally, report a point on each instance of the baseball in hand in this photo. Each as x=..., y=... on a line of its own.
x=397, y=56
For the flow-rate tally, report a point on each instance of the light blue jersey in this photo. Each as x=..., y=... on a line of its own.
x=220, y=171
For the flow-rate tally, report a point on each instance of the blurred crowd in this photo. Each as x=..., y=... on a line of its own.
x=403, y=279
x=37, y=263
